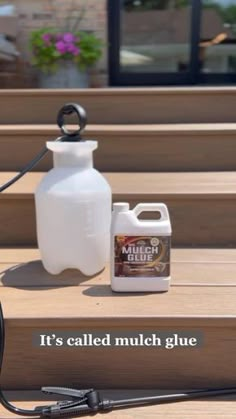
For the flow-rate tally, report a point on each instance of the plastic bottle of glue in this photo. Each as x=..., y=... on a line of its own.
x=140, y=249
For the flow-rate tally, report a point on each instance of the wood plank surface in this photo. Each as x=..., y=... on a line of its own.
x=97, y=302
x=203, y=284
x=37, y=303
x=127, y=148
x=117, y=129
x=26, y=366
x=209, y=222
x=113, y=105
x=216, y=408
x=201, y=205
x=191, y=267
x=199, y=185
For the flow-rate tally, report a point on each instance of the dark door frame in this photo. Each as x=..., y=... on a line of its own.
x=190, y=77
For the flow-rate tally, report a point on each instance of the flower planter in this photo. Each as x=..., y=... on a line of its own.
x=67, y=76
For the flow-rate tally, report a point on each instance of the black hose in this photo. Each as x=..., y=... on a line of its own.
x=23, y=412
x=67, y=135
x=26, y=169
x=67, y=109
x=30, y=165
x=172, y=398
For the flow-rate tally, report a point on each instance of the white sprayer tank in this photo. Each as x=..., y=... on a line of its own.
x=73, y=211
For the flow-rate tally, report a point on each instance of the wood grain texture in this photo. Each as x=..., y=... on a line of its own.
x=203, y=285
x=98, y=302
x=201, y=184
x=202, y=205
x=18, y=255
x=190, y=267
x=198, y=409
x=148, y=105
x=127, y=148
x=29, y=367
x=200, y=299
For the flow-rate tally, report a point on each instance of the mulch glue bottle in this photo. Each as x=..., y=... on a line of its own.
x=140, y=249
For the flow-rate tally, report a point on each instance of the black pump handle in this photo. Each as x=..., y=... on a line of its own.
x=69, y=109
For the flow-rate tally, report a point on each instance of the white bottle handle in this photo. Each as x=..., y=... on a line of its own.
x=161, y=208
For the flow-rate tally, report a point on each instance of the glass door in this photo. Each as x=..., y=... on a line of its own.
x=218, y=41
x=154, y=42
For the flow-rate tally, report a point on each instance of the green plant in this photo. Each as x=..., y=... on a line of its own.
x=50, y=46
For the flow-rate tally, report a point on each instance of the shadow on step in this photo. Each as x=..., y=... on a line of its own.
x=32, y=276
x=104, y=290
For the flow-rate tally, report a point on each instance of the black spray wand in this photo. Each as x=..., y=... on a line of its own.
x=90, y=402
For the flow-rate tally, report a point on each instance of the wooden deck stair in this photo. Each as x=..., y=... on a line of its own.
x=123, y=106
x=202, y=298
x=198, y=204
x=131, y=148
x=186, y=163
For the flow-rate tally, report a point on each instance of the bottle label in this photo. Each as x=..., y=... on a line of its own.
x=138, y=256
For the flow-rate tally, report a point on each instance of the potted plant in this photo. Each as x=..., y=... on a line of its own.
x=64, y=56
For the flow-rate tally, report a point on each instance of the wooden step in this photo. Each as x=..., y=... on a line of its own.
x=215, y=408
x=122, y=106
x=127, y=148
x=202, y=205
x=201, y=300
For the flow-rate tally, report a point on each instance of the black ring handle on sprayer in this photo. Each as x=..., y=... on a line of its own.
x=69, y=109
x=68, y=135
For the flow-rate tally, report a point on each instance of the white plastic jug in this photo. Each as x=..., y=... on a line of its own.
x=140, y=249
x=73, y=211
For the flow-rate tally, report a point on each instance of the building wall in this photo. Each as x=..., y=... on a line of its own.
x=39, y=13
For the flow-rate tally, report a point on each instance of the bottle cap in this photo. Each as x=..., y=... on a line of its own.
x=121, y=206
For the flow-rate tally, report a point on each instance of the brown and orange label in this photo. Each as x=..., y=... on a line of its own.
x=142, y=256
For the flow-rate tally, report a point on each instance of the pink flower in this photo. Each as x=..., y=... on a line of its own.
x=70, y=47
x=61, y=47
x=73, y=49
x=46, y=38
x=76, y=51
x=59, y=37
x=68, y=37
